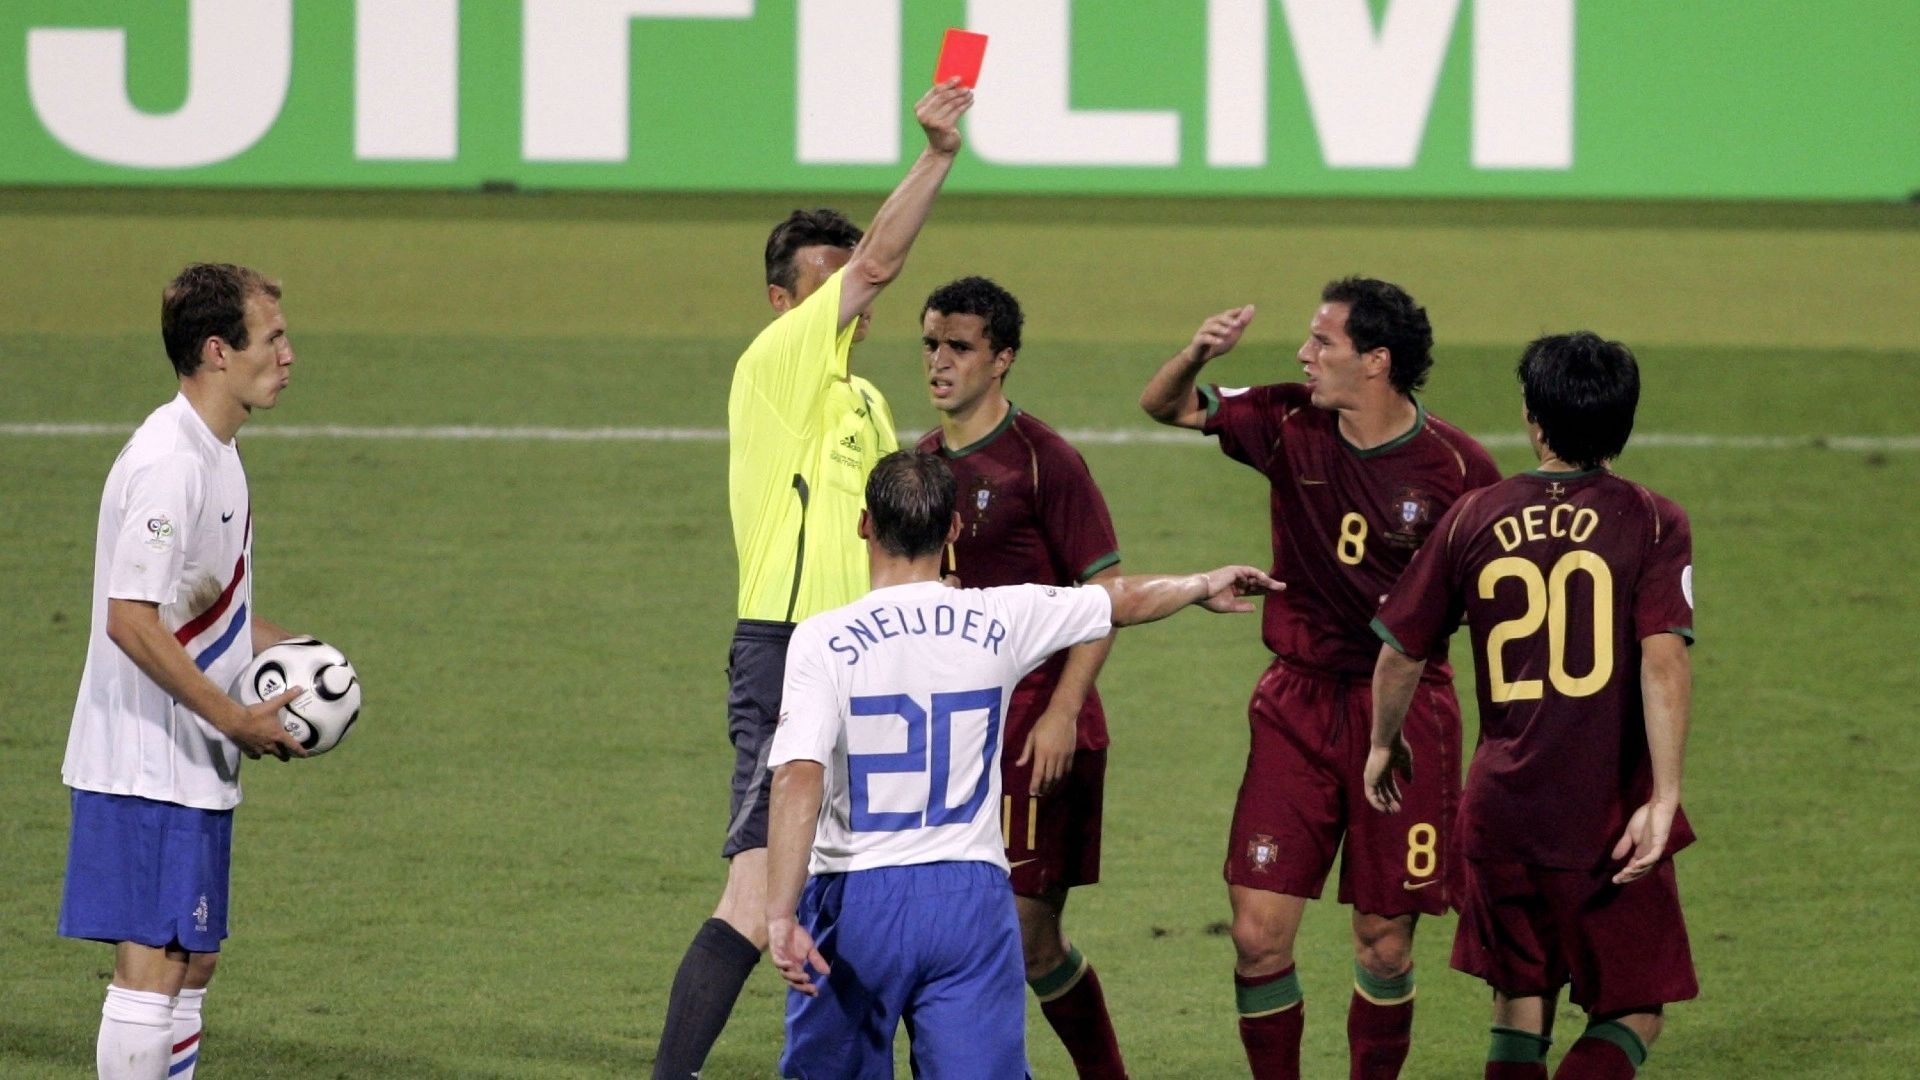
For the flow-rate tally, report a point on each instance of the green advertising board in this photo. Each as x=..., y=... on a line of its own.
x=1633, y=98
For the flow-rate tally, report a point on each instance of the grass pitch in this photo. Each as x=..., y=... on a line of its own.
x=497, y=874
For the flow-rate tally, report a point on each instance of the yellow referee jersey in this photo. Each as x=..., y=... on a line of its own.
x=801, y=437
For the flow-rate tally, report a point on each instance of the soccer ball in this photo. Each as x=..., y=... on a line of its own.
x=319, y=718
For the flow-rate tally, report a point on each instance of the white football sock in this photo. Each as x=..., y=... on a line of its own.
x=136, y=1035
x=186, y=1033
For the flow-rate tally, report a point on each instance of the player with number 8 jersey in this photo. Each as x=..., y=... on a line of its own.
x=1358, y=473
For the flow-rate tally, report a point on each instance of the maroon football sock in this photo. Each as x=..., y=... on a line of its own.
x=1079, y=1016
x=1516, y=1070
x=1272, y=1016
x=1378, y=1037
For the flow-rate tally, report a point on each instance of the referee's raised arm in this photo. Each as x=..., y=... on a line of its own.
x=882, y=252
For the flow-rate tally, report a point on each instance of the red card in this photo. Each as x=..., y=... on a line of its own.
x=961, y=55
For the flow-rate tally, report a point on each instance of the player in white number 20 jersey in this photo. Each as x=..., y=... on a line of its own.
x=887, y=791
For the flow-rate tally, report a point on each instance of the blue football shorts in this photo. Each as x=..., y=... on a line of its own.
x=153, y=873
x=936, y=946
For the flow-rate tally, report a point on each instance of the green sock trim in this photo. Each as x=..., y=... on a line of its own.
x=1060, y=978
x=1524, y=1047
x=1622, y=1036
x=1383, y=991
x=1279, y=995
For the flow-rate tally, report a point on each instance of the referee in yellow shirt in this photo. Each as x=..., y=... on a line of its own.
x=802, y=432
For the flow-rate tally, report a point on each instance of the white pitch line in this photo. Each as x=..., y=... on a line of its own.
x=1122, y=437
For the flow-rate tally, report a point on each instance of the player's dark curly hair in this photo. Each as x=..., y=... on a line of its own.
x=1380, y=314
x=1582, y=390
x=208, y=300
x=805, y=228
x=910, y=503
x=979, y=296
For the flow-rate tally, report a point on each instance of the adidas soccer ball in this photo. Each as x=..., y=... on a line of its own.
x=319, y=718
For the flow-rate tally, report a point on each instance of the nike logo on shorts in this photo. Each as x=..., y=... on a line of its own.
x=1411, y=886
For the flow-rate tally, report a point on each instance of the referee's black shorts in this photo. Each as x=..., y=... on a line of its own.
x=756, y=666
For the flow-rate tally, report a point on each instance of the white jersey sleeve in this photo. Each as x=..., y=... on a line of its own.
x=811, y=714
x=160, y=506
x=1043, y=619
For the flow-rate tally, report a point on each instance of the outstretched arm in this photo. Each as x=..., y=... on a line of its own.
x=882, y=251
x=1395, y=676
x=1141, y=598
x=1666, y=690
x=1057, y=733
x=1171, y=396
x=134, y=626
x=794, y=814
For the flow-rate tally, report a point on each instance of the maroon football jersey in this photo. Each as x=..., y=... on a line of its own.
x=1030, y=513
x=1345, y=521
x=1560, y=576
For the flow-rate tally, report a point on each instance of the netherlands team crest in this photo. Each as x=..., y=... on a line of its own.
x=1262, y=852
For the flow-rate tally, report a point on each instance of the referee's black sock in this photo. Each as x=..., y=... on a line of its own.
x=716, y=966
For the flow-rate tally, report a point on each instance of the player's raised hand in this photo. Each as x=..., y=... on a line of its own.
x=1645, y=838
x=1219, y=334
x=1383, y=763
x=261, y=732
x=1228, y=587
x=792, y=950
x=938, y=112
x=1050, y=747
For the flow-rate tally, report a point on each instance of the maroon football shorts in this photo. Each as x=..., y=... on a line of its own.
x=1053, y=841
x=1529, y=930
x=1303, y=792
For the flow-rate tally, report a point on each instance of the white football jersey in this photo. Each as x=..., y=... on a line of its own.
x=175, y=529
x=903, y=695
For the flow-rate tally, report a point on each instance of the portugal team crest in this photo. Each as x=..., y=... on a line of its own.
x=1262, y=852
x=1409, y=516
x=982, y=499
x=1412, y=507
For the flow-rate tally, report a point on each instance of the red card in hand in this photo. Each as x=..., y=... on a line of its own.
x=961, y=55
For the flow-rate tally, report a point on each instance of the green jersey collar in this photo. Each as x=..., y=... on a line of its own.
x=982, y=442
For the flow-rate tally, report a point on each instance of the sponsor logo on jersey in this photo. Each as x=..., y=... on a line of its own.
x=1262, y=852
x=226, y=517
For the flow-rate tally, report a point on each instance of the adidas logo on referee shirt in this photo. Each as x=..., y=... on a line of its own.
x=850, y=442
